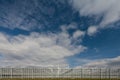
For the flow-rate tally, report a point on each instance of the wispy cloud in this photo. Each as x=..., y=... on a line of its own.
x=110, y=10
x=38, y=48
x=32, y=14
x=103, y=63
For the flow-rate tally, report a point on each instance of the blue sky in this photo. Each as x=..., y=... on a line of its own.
x=77, y=33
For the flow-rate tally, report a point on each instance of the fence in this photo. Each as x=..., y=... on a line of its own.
x=59, y=72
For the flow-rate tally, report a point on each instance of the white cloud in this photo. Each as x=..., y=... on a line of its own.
x=104, y=63
x=110, y=10
x=92, y=30
x=78, y=34
x=70, y=26
x=37, y=49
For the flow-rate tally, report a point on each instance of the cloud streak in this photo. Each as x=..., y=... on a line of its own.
x=103, y=63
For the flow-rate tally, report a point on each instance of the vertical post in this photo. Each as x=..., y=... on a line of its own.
x=90, y=73
x=81, y=72
x=28, y=72
x=11, y=72
x=100, y=74
x=58, y=70
x=118, y=73
x=109, y=74
x=0, y=72
x=32, y=72
x=20, y=72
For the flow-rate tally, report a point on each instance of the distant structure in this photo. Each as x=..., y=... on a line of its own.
x=58, y=71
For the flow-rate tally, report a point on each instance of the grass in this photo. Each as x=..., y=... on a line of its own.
x=54, y=79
